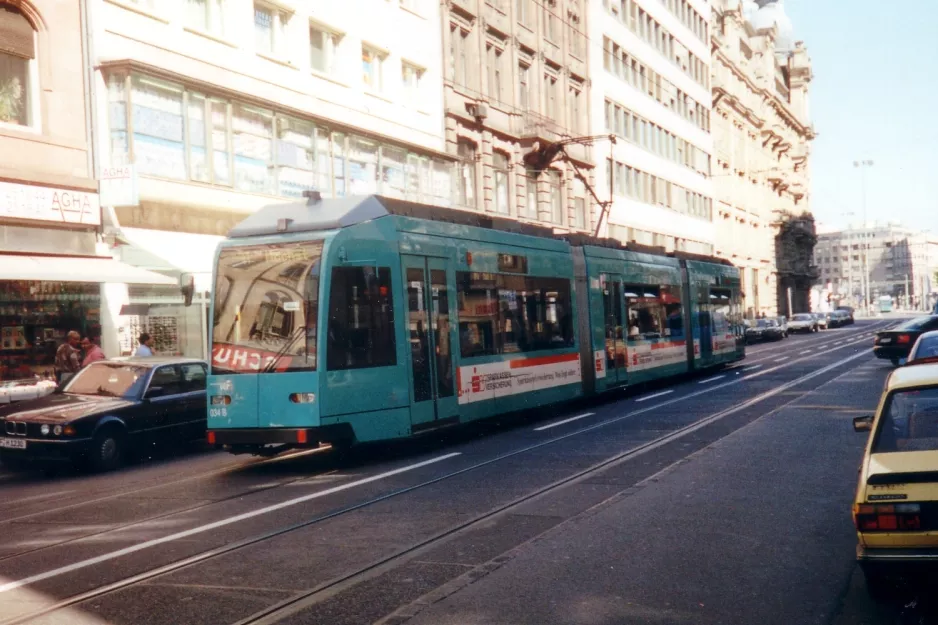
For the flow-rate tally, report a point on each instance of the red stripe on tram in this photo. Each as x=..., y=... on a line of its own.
x=542, y=360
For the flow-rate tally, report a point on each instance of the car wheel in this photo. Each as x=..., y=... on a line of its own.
x=107, y=450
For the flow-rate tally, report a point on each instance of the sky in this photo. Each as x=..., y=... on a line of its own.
x=874, y=96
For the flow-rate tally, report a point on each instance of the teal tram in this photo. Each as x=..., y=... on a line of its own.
x=369, y=318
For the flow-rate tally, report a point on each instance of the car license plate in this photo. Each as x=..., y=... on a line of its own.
x=12, y=443
x=885, y=340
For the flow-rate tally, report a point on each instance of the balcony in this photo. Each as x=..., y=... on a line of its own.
x=534, y=126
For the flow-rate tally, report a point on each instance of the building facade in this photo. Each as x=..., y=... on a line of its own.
x=253, y=102
x=762, y=133
x=651, y=92
x=867, y=262
x=52, y=268
x=516, y=78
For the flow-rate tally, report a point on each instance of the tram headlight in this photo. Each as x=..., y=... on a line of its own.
x=303, y=398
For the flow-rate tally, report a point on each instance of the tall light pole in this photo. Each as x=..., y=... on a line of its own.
x=867, y=290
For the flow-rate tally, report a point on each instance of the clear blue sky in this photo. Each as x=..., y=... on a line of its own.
x=874, y=96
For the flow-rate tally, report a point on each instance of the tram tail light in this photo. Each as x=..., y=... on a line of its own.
x=301, y=437
x=211, y=438
x=888, y=518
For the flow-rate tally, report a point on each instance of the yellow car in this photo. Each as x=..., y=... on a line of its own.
x=896, y=506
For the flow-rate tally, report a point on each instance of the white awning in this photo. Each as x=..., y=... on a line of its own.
x=163, y=250
x=76, y=269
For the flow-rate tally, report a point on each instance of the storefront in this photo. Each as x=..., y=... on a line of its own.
x=52, y=277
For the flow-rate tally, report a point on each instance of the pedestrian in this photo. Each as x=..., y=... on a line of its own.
x=145, y=348
x=67, y=361
x=93, y=352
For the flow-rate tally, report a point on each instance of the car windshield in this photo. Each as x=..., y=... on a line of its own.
x=927, y=347
x=802, y=318
x=909, y=422
x=766, y=323
x=108, y=379
x=266, y=308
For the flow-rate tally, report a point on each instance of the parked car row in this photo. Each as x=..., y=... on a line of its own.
x=778, y=328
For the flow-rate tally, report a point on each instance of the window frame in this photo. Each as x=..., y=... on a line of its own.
x=385, y=332
x=32, y=89
x=379, y=58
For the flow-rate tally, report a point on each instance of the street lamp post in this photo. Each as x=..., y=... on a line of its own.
x=867, y=290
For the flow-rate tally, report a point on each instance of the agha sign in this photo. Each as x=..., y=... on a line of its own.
x=64, y=206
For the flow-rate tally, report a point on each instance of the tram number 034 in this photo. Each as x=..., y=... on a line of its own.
x=217, y=412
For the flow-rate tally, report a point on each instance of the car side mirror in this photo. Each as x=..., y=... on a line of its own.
x=154, y=391
x=862, y=424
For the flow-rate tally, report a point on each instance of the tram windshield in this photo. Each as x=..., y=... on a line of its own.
x=266, y=308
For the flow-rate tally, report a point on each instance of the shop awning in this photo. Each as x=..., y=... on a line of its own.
x=76, y=269
x=161, y=249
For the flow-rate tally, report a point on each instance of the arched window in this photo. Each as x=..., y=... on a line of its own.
x=17, y=57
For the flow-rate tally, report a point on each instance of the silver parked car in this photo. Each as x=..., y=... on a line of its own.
x=803, y=322
x=823, y=320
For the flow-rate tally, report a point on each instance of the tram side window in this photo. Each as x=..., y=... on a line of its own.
x=478, y=314
x=646, y=312
x=361, y=319
x=504, y=314
x=721, y=310
x=673, y=311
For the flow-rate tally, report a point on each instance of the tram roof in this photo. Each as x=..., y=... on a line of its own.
x=318, y=214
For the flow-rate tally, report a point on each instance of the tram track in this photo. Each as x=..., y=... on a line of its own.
x=324, y=588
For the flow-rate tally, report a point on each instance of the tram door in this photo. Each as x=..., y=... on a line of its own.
x=616, y=329
x=430, y=306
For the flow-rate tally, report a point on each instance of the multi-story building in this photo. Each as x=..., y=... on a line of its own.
x=516, y=79
x=761, y=133
x=52, y=265
x=224, y=106
x=651, y=91
x=877, y=260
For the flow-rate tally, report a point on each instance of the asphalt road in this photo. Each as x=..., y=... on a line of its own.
x=723, y=498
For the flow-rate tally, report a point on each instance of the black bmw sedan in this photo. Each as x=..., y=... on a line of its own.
x=106, y=410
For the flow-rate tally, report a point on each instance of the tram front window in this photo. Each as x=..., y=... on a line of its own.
x=266, y=308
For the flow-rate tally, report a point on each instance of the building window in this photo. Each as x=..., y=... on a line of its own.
x=493, y=58
x=206, y=15
x=550, y=86
x=17, y=71
x=412, y=77
x=466, y=183
x=270, y=29
x=372, y=68
x=530, y=196
x=523, y=11
x=580, y=208
x=551, y=21
x=252, y=140
x=575, y=36
x=575, y=112
x=323, y=50
x=459, y=55
x=524, y=86
x=500, y=168
x=555, y=182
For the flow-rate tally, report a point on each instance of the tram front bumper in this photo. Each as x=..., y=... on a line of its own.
x=235, y=438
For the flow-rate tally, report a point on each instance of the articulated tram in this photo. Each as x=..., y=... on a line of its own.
x=368, y=318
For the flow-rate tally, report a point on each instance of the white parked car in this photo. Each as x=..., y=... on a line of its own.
x=21, y=390
x=802, y=322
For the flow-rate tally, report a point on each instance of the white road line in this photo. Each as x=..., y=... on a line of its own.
x=783, y=359
x=807, y=351
x=35, y=497
x=752, y=368
x=661, y=394
x=713, y=379
x=212, y=526
x=556, y=423
x=838, y=343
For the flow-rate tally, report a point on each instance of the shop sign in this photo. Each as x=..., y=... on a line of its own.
x=118, y=186
x=23, y=201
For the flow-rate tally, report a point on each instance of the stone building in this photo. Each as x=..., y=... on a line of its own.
x=516, y=79
x=762, y=132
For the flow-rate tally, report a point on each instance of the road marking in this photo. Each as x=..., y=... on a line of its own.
x=807, y=351
x=661, y=394
x=713, y=379
x=556, y=423
x=783, y=359
x=212, y=526
x=753, y=368
x=35, y=497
